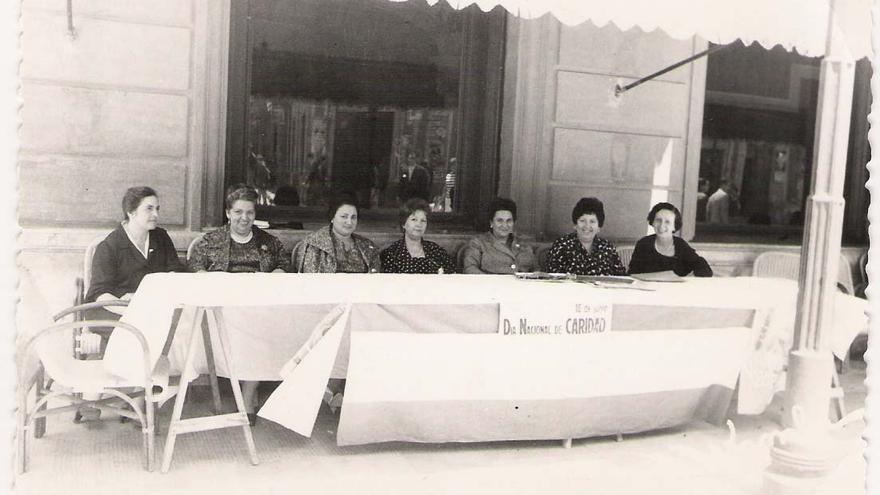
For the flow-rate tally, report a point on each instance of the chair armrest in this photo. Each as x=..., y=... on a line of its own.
x=87, y=306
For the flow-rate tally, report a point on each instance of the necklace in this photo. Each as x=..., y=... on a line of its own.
x=241, y=240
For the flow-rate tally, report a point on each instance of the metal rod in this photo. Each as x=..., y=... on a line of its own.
x=618, y=89
x=71, y=31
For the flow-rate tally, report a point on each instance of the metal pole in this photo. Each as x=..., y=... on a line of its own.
x=618, y=89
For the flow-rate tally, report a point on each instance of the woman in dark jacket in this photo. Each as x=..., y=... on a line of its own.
x=135, y=248
x=414, y=254
x=664, y=251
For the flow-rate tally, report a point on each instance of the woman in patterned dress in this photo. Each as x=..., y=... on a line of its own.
x=583, y=252
x=240, y=247
x=413, y=254
x=336, y=248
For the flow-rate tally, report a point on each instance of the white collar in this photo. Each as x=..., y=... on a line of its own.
x=146, y=247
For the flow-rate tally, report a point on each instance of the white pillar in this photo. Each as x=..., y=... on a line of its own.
x=820, y=252
x=803, y=455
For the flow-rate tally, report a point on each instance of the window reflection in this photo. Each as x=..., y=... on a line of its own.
x=358, y=96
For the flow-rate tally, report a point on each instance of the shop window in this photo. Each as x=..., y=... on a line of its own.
x=757, y=144
x=384, y=100
x=757, y=147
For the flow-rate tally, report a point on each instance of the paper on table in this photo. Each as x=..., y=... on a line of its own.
x=295, y=403
x=667, y=276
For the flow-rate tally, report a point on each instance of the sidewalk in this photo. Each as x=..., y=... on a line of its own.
x=104, y=457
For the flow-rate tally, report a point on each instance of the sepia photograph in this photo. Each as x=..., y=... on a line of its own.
x=438, y=246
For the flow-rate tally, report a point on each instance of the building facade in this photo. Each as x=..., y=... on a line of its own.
x=166, y=94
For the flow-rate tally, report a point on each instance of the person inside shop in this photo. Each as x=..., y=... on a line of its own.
x=583, y=252
x=499, y=250
x=415, y=180
x=664, y=250
x=413, y=253
x=719, y=203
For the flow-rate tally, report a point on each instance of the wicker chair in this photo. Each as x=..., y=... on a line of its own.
x=73, y=378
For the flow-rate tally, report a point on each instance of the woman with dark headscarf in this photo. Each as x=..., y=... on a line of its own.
x=498, y=250
x=414, y=254
x=663, y=251
x=583, y=252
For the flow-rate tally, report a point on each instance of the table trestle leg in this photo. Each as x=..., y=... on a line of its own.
x=218, y=330
x=212, y=366
x=181, y=394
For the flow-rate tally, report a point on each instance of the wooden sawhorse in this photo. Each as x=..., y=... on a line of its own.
x=214, y=336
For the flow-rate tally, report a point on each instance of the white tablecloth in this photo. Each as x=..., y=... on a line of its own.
x=269, y=315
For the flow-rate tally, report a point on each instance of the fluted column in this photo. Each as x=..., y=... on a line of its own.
x=810, y=362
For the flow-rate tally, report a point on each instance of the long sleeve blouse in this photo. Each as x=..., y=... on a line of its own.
x=118, y=266
x=396, y=259
x=567, y=255
x=646, y=259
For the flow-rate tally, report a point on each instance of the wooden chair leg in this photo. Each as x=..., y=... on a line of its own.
x=21, y=434
x=837, y=396
x=40, y=423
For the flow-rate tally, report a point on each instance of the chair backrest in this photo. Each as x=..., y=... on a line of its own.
x=541, y=255
x=786, y=265
x=844, y=276
x=191, y=247
x=625, y=253
x=772, y=264
x=87, y=263
x=57, y=362
x=459, y=258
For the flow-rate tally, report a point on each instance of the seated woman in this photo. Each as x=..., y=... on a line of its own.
x=583, y=252
x=134, y=249
x=336, y=248
x=664, y=251
x=240, y=247
x=413, y=254
x=499, y=251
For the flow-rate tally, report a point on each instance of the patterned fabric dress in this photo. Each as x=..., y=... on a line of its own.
x=396, y=259
x=567, y=255
x=244, y=257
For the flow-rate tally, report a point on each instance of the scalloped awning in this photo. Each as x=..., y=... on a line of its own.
x=800, y=25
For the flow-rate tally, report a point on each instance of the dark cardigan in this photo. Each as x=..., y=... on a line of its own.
x=118, y=267
x=646, y=259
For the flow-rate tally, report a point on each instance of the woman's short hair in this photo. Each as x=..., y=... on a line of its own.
x=339, y=200
x=133, y=197
x=241, y=192
x=501, y=204
x=665, y=206
x=588, y=206
x=411, y=206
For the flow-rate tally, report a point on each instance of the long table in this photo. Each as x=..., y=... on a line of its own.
x=425, y=360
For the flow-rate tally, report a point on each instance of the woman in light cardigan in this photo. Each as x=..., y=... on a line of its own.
x=499, y=250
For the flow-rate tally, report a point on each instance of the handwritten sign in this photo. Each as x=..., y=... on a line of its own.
x=589, y=317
